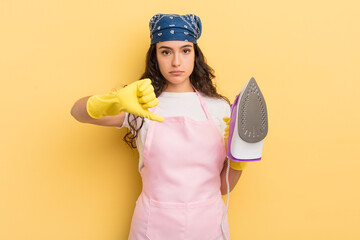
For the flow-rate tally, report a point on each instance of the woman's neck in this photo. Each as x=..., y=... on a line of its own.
x=181, y=87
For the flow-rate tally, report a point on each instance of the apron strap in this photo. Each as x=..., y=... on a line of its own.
x=203, y=105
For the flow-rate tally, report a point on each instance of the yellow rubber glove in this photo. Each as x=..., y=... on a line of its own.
x=135, y=98
x=233, y=164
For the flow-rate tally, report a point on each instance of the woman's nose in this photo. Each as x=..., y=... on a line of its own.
x=176, y=61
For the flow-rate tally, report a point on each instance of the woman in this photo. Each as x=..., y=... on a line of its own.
x=175, y=116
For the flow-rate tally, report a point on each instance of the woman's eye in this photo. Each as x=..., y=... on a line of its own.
x=165, y=52
x=186, y=50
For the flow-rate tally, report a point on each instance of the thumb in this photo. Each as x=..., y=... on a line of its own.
x=153, y=116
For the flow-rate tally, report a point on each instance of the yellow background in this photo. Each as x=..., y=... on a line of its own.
x=60, y=179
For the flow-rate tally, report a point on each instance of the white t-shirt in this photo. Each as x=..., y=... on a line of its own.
x=182, y=104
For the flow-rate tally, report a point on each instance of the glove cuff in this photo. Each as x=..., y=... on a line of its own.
x=238, y=165
x=91, y=107
x=99, y=106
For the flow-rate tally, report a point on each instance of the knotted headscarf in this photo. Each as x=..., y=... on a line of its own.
x=167, y=27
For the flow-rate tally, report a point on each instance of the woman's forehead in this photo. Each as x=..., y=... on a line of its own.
x=174, y=44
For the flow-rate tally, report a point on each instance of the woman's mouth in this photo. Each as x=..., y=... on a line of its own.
x=176, y=73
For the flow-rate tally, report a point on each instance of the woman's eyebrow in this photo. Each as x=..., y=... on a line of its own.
x=172, y=49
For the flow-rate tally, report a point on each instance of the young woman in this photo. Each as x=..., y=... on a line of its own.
x=176, y=120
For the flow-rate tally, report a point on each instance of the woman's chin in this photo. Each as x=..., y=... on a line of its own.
x=177, y=80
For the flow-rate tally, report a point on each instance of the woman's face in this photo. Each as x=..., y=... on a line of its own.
x=176, y=61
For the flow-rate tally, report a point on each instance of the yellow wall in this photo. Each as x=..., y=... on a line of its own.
x=60, y=179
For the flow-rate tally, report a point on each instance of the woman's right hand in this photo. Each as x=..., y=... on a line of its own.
x=135, y=98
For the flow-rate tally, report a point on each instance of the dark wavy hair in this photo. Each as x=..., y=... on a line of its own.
x=201, y=78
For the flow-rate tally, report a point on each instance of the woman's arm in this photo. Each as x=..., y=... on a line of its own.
x=79, y=112
x=234, y=176
x=109, y=109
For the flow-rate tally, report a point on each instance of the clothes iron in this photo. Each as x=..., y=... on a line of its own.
x=248, y=125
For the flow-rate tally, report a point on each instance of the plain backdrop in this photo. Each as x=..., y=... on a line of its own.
x=60, y=179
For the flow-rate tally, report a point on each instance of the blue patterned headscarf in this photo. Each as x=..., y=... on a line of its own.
x=167, y=27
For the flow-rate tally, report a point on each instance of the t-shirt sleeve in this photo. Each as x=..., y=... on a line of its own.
x=126, y=122
x=220, y=108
